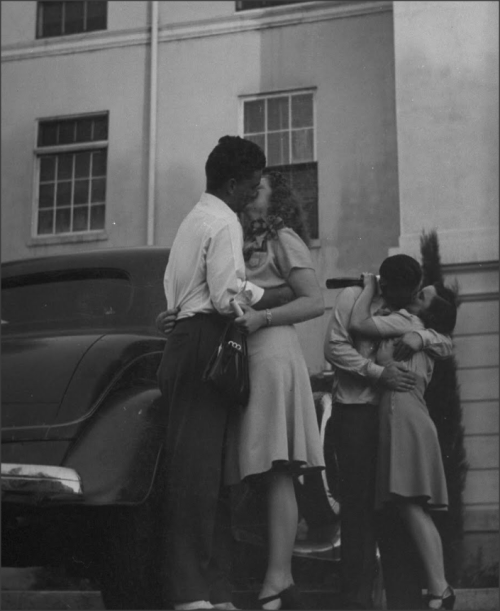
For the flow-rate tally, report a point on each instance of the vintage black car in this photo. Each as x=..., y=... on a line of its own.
x=83, y=425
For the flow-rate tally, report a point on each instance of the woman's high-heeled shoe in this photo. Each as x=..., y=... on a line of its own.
x=290, y=599
x=447, y=599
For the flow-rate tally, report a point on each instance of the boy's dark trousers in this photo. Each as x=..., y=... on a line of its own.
x=198, y=513
x=355, y=431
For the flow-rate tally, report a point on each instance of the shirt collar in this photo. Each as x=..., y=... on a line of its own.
x=207, y=199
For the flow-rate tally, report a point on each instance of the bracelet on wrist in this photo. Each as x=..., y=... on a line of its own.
x=269, y=318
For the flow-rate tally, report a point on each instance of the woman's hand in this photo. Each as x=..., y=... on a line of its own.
x=385, y=352
x=407, y=345
x=252, y=320
x=165, y=321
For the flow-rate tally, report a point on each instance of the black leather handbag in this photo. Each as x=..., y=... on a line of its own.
x=227, y=368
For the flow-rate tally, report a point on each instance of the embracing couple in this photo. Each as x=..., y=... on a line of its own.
x=246, y=240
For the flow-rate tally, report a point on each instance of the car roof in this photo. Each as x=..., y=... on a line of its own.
x=135, y=260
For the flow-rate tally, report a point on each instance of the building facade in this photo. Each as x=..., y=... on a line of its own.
x=384, y=114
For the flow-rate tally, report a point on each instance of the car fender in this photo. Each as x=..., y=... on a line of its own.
x=117, y=452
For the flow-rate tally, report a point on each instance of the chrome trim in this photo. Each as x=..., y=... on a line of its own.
x=36, y=483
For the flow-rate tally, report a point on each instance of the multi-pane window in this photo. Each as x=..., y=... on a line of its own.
x=283, y=126
x=246, y=5
x=72, y=163
x=73, y=17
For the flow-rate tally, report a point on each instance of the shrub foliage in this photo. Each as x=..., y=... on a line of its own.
x=443, y=401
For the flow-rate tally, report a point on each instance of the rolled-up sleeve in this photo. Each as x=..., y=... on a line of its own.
x=339, y=347
x=226, y=270
x=437, y=345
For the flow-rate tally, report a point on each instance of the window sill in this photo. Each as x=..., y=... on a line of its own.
x=315, y=243
x=68, y=239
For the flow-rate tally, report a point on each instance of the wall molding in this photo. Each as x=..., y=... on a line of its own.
x=457, y=247
x=244, y=21
x=467, y=298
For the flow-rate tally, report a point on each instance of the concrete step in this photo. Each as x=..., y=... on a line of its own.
x=481, y=599
x=20, y=592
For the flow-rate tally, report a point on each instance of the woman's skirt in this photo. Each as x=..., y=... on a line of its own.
x=279, y=427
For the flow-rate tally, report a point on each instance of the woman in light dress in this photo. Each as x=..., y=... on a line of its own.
x=278, y=436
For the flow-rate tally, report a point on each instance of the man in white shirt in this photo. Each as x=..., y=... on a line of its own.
x=354, y=425
x=205, y=271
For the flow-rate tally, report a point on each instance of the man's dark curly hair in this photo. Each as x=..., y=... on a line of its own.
x=285, y=203
x=401, y=271
x=441, y=315
x=233, y=157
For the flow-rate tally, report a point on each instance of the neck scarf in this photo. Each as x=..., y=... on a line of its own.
x=259, y=232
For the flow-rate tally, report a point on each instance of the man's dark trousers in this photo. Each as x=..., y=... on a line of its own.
x=355, y=431
x=198, y=512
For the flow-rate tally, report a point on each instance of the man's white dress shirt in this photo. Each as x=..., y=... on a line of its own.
x=206, y=269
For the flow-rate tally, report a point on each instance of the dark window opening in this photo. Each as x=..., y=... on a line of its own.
x=73, y=17
x=247, y=5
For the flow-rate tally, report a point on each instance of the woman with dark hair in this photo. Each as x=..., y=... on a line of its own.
x=410, y=470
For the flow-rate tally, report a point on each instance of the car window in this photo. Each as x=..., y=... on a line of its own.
x=75, y=298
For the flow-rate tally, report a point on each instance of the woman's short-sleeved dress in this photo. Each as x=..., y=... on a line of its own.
x=409, y=456
x=279, y=426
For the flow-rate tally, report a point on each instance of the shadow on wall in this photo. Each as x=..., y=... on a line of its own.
x=369, y=219
x=176, y=194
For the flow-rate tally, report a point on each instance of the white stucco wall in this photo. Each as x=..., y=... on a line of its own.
x=447, y=115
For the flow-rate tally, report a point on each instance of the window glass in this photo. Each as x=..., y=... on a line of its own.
x=277, y=113
x=50, y=19
x=74, y=298
x=302, y=145
x=74, y=17
x=81, y=194
x=254, y=116
x=46, y=196
x=302, y=110
x=47, y=167
x=97, y=217
x=278, y=148
x=96, y=16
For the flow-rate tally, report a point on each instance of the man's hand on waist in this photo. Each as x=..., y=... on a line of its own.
x=395, y=376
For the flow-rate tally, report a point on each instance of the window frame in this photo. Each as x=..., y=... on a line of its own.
x=39, y=22
x=58, y=149
x=314, y=242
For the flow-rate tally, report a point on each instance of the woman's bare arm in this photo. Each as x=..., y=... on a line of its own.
x=361, y=321
x=308, y=304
